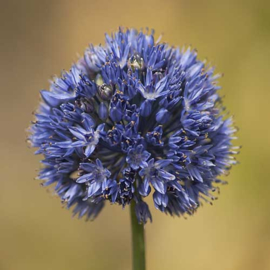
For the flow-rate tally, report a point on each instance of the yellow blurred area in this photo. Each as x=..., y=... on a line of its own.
x=38, y=40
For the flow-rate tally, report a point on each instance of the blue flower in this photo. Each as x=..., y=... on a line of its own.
x=155, y=137
x=137, y=157
x=132, y=118
x=110, y=190
x=88, y=138
x=94, y=177
x=142, y=212
x=156, y=174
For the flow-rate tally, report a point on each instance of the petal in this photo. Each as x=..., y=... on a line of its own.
x=159, y=186
x=88, y=167
x=69, y=152
x=146, y=155
x=99, y=163
x=64, y=144
x=100, y=127
x=143, y=164
x=88, y=121
x=162, y=116
x=165, y=175
x=149, y=77
x=77, y=133
x=144, y=188
x=146, y=108
x=102, y=111
x=194, y=173
x=162, y=163
x=161, y=84
x=160, y=199
x=94, y=188
x=139, y=148
x=89, y=150
x=85, y=178
x=115, y=114
x=78, y=143
x=49, y=98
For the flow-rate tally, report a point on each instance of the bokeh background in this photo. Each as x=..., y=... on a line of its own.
x=40, y=38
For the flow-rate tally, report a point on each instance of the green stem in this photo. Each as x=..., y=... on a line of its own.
x=138, y=246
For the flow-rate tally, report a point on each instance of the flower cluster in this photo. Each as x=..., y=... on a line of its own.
x=132, y=118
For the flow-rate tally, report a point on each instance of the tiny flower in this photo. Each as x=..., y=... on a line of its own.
x=160, y=200
x=86, y=138
x=110, y=190
x=137, y=156
x=152, y=90
x=155, y=137
x=131, y=119
x=95, y=175
x=142, y=212
x=156, y=175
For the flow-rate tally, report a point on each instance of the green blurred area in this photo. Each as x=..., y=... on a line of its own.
x=38, y=40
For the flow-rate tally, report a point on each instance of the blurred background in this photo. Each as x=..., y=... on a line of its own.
x=38, y=40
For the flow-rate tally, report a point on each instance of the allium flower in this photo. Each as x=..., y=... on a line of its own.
x=132, y=118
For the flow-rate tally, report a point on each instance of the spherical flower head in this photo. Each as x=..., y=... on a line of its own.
x=131, y=119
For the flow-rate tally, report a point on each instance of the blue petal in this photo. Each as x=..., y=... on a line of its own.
x=165, y=175
x=161, y=84
x=144, y=188
x=162, y=116
x=163, y=163
x=88, y=121
x=115, y=114
x=103, y=111
x=160, y=199
x=49, y=98
x=146, y=108
x=94, y=188
x=194, y=173
x=77, y=134
x=89, y=150
x=159, y=186
x=85, y=178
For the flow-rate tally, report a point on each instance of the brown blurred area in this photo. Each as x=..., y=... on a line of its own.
x=38, y=40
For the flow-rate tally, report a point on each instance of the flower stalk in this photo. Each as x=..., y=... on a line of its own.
x=138, y=242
